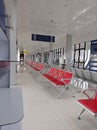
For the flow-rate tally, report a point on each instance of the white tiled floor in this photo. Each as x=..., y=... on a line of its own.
x=44, y=111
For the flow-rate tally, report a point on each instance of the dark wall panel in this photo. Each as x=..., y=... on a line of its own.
x=94, y=47
x=44, y=38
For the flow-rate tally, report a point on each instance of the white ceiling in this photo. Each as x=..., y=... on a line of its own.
x=55, y=17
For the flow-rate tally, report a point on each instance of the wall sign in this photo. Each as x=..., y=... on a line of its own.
x=44, y=38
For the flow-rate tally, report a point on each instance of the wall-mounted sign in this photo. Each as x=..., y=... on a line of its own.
x=44, y=38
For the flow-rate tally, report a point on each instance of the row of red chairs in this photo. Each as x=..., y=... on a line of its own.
x=36, y=66
x=62, y=78
x=59, y=78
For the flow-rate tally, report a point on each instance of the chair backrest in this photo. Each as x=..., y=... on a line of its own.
x=31, y=64
x=40, y=66
x=50, y=71
x=53, y=71
x=67, y=77
x=60, y=74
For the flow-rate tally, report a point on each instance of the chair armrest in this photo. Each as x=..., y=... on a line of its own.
x=66, y=78
x=87, y=90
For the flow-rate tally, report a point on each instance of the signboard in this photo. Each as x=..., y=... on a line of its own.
x=44, y=38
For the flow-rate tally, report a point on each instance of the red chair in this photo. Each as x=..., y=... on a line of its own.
x=40, y=67
x=59, y=78
x=50, y=73
x=60, y=74
x=90, y=103
x=66, y=80
x=31, y=64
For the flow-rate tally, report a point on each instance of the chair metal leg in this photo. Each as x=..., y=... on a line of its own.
x=64, y=89
x=71, y=93
x=81, y=114
x=59, y=95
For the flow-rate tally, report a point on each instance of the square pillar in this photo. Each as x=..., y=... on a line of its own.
x=68, y=49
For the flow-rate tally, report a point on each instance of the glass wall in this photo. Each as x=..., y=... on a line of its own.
x=85, y=55
x=54, y=56
x=79, y=55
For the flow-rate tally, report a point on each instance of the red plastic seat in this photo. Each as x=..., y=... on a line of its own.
x=53, y=79
x=36, y=66
x=59, y=78
x=89, y=104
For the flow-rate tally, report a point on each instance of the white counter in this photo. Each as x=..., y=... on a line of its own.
x=11, y=106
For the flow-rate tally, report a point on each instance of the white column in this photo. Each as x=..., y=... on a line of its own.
x=50, y=59
x=42, y=57
x=68, y=49
x=50, y=53
x=13, y=44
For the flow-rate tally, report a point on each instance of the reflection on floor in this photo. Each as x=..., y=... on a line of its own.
x=44, y=111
